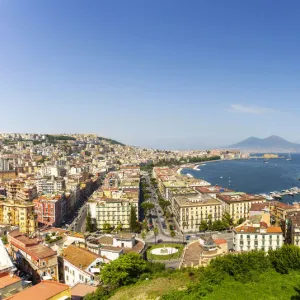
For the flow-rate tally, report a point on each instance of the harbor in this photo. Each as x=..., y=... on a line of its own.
x=276, y=180
x=276, y=195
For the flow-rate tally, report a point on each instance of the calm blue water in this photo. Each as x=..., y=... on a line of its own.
x=253, y=176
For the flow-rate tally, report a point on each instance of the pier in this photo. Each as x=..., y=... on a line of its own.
x=278, y=195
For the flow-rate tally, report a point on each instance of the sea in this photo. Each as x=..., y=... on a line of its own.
x=253, y=176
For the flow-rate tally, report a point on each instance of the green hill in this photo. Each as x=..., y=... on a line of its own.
x=255, y=275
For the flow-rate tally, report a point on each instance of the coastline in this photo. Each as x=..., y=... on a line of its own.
x=197, y=165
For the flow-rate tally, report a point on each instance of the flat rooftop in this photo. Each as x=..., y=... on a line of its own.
x=251, y=229
x=183, y=191
x=212, y=189
x=231, y=197
x=174, y=184
x=198, y=200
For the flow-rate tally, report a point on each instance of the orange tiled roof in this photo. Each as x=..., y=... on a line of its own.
x=79, y=257
x=42, y=291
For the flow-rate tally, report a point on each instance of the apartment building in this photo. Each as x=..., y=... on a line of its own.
x=33, y=257
x=173, y=193
x=17, y=213
x=248, y=238
x=55, y=171
x=163, y=171
x=113, y=211
x=292, y=228
x=238, y=204
x=13, y=186
x=49, y=209
x=49, y=186
x=73, y=186
x=195, y=182
x=4, y=164
x=189, y=211
x=27, y=193
x=165, y=183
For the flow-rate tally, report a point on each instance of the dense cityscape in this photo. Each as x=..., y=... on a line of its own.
x=149, y=150
x=72, y=206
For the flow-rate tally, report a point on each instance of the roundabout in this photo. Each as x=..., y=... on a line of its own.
x=164, y=251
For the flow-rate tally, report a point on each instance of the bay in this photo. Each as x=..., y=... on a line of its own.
x=253, y=176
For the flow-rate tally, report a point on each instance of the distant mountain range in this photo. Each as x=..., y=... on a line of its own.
x=271, y=143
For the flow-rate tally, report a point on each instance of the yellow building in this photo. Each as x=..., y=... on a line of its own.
x=18, y=213
x=190, y=210
x=112, y=211
x=238, y=204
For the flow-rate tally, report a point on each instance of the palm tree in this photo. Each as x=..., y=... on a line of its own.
x=155, y=230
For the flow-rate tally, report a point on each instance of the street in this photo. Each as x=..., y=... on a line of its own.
x=78, y=224
x=163, y=234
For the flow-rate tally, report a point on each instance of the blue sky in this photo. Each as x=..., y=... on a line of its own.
x=160, y=73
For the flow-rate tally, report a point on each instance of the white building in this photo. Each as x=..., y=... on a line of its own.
x=81, y=266
x=50, y=171
x=51, y=186
x=112, y=247
x=247, y=238
x=4, y=164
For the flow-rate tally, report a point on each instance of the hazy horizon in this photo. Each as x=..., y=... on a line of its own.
x=161, y=74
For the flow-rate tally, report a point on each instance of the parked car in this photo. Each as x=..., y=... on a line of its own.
x=159, y=241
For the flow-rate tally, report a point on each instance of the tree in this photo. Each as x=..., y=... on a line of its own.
x=133, y=219
x=89, y=224
x=227, y=220
x=124, y=270
x=173, y=234
x=144, y=225
x=119, y=227
x=156, y=231
x=163, y=204
x=107, y=227
x=144, y=234
x=203, y=226
x=218, y=225
x=147, y=206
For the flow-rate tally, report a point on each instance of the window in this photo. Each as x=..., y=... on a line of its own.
x=66, y=269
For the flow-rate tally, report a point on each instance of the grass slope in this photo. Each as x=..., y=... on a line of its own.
x=268, y=286
x=152, y=289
